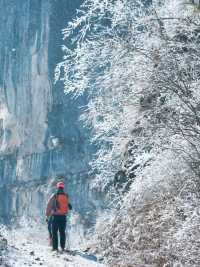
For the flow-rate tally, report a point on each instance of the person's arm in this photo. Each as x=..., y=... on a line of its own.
x=69, y=204
x=49, y=207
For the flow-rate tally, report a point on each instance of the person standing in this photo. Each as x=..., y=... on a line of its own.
x=57, y=208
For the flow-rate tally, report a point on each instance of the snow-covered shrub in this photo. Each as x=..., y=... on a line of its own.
x=153, y=223
x=3, y=247
x=138, y=61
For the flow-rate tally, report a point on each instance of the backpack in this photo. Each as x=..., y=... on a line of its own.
x=60, y=204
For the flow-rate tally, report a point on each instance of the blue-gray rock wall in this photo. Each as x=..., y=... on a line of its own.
x=41, y=136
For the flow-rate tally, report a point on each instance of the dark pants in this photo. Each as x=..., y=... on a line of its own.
x=59, y=224
x=50, y=226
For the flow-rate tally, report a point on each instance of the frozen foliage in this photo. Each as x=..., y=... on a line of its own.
x=3, y=248
x=138, y=61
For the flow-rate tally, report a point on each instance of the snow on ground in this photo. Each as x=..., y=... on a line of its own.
x=30, y=248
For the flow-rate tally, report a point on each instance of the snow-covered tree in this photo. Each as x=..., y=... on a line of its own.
x=138, y=62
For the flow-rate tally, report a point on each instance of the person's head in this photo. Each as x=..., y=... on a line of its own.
x=60, y=186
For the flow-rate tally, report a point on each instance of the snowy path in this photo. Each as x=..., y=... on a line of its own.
x=31, y=249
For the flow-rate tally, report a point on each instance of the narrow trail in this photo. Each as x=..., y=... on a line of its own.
x=30, y=248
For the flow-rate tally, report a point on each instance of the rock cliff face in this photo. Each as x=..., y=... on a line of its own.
x=40, y=133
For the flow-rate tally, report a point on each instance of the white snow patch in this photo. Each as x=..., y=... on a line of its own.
x=29, y=247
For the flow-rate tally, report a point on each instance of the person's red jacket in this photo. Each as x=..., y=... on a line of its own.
x=58, y=204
